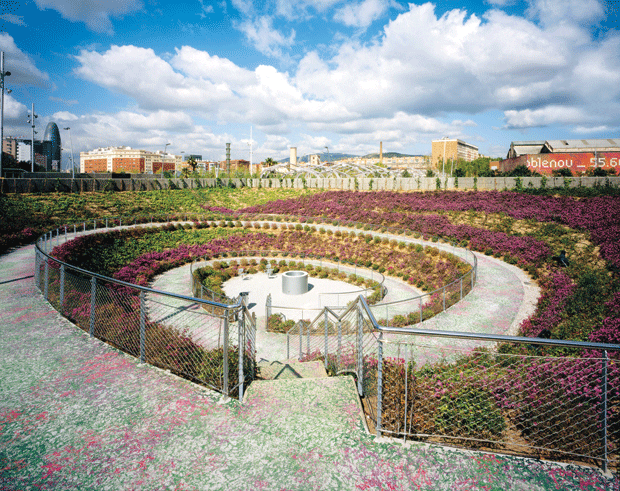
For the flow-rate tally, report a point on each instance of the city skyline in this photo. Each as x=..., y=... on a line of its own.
x=343, y=75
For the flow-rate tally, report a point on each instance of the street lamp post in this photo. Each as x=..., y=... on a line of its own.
x=162, y=159
x=72, y=162
x=2, y=75
x=32, y=117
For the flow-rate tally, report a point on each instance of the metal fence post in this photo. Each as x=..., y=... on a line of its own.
x=326, y=339
x=94, y=224
x=47, y=279
x=93, y=295
x=421, y=314
x=444, y=298
x=339, y=340
x=225, y=368
x=241, y=350
x=62, y=287
x=379, y=383
x=267, y=311
x=288, y=346
x=84, y=227
x=37, y=268
x=360, y=350
x=604, y=412
x=307, y=339
x=142, y=327
x=74, y=229
x=300, y=326
x=58, y=237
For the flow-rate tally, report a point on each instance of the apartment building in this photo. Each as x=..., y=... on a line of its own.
x=127, y=159
x=452, y=149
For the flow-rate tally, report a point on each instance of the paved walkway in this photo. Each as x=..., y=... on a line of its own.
x=77, y=414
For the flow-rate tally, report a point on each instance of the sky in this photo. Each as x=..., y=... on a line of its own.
x=311, y=74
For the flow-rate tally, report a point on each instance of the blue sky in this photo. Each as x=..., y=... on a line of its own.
x=312, y=74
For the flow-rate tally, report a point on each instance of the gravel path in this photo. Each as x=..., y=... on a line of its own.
x=77, y=414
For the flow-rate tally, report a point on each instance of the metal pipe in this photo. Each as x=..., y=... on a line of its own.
x=326, y=340
x=93, y=296
x=380, y=384
x=604, y=380
x=225, y=368
x=143, y=288
x=62, y=287
x=241, y=333
x=142, y=327
x=486, y=337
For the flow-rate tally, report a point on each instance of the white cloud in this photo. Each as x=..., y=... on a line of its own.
x=22, y=68
x=429, y=65
x=141, y=74
x=14, y=112
x=396, y=88
x=361, y=14
x=205, y=10
x=528, y=118
x=262, y=35
x=208, y=85
x=61, y=116
x=594, y=129
x=200, y=64
x=554, y=12
x=94, y=13
x=18, y=20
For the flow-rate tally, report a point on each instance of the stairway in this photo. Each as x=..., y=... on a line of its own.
x=290, y=369
x=302, y=398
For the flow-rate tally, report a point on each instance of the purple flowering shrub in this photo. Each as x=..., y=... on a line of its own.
x=596, y=215
x=117, y=322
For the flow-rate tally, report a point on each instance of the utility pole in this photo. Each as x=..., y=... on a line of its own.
x=2, y=75
x=32, y=117
x=72, y=162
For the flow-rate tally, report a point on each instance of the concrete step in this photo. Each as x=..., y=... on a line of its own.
x=290, y=369
x=307, y=408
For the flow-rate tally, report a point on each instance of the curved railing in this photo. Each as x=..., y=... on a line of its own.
x=167, y=330
x=517, y=395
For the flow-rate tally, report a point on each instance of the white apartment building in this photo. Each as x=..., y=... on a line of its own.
x=127, y=159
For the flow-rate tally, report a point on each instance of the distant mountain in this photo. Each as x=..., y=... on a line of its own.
x=324, y=157
x=339, y=156
x=388, y=155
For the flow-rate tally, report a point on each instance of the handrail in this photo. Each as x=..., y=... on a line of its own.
x=484, y=337
x=132, y=285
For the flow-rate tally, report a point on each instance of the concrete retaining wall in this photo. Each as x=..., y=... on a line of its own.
x=79, y=185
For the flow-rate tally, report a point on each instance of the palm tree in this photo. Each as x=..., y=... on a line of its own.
x=191, y=161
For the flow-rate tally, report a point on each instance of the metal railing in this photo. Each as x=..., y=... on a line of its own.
x=209, y=342
x=534, y=397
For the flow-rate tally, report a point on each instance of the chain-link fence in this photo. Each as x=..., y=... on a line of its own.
x=504, y=396
x=539, y=398
x=206, y=341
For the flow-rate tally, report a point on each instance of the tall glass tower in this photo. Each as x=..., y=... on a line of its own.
x=53, y=135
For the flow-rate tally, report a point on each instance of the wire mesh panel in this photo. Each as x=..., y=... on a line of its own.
x=212, y=344
x=518, y=399
x=183, y=336
x=77, y=299
x=117, y=316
